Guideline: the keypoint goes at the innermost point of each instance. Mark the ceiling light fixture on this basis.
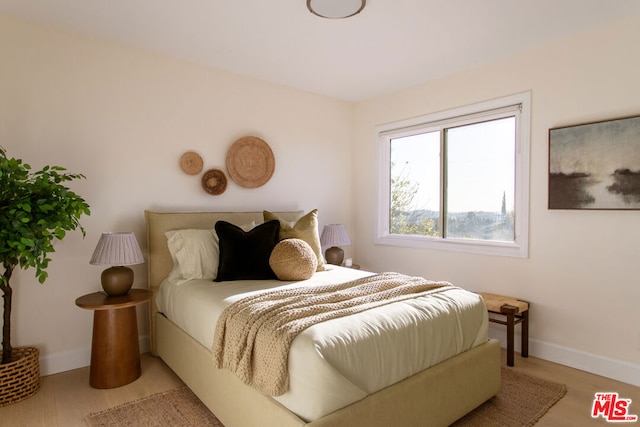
(335, 9)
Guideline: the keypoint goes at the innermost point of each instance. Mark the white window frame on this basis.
(385, 133)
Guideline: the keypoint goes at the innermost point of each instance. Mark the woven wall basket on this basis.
(250, 162)
(20, 379)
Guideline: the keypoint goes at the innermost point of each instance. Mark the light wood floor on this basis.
(64, 399)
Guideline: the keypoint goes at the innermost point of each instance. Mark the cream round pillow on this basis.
(293, 259)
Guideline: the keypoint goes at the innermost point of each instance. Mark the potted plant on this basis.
(35, 208)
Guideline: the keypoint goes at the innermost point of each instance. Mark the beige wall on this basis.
(583, 271)
(123, 118)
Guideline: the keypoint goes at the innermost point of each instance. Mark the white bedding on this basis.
(338, 362)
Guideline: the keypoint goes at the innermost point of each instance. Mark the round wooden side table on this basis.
(115, 353)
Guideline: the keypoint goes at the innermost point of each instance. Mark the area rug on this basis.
(522, 400)
(176, 408)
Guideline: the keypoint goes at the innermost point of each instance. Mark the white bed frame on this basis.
(434, 397)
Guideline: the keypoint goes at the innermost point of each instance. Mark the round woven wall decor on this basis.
(250, 162)
(191, 163)
(214, 182)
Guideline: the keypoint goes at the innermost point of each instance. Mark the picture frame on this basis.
(595, 165)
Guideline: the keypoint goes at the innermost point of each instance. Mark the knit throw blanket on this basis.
(253, 335)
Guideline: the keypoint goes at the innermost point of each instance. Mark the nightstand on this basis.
(354, 266)
(115, 353)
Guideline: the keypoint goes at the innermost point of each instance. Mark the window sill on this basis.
(495, 248)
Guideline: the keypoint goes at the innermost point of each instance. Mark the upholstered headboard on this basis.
(159, 259)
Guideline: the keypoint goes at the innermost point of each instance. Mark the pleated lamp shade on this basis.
(117, 249)
(334, 235)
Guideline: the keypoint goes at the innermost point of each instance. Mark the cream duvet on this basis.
(339, 361)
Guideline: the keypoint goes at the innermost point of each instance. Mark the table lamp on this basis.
(334, 235)
(117, 249)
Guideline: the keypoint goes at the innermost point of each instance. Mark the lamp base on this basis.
(334, 255)
(117, 280)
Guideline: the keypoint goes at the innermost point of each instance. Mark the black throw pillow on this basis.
(245, 255)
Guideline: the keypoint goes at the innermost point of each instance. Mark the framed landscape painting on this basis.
(595, 165)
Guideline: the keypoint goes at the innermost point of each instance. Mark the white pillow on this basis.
(195, 253)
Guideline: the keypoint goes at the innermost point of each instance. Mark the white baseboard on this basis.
(607, 367)
(66, 361)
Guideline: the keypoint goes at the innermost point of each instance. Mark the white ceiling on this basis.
(391, 45)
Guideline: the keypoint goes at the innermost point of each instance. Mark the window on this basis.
(458, 180)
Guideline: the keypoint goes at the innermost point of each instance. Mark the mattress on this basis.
(335, 363)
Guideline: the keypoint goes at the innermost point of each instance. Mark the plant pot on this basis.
(20, 379)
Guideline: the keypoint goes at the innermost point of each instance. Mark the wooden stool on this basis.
(516, 311)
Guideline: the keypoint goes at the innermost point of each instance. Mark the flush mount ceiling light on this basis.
(336, 9)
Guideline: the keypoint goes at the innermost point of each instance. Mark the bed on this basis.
(436, 396)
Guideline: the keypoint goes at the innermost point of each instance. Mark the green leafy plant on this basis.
(403, 192)
(35, 209)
